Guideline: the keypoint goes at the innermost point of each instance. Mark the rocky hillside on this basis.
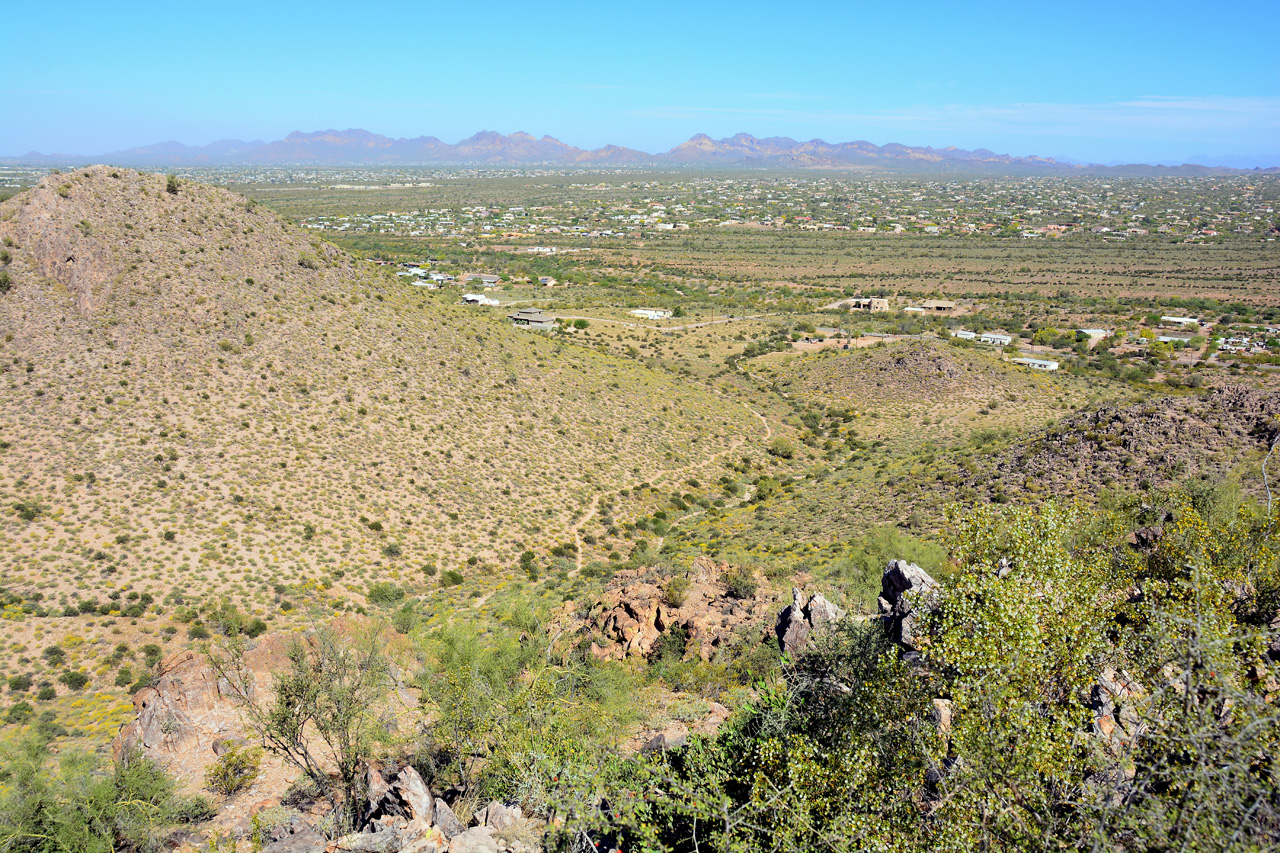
(1156, 443)
(200, 399)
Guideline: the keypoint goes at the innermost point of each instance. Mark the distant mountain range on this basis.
(334, 147)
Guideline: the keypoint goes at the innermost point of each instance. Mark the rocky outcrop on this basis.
(1161, 441)
(636, 610)
(904, 588)
(802, 619)
(185, 720)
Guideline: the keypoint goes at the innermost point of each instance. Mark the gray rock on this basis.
(446, 820)
(500, 816)
(370, 842)
(821, 613)
(904, 587)
(793, 629)
(301, 841)
(797, 622)
(478, 839)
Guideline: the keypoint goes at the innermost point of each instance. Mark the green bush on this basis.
(74, 679)
(783, 448)
(19, 713)
(675, 590)
(384, 593)
(171, 184)
(234, 770)
(404, 619)
(740, 582)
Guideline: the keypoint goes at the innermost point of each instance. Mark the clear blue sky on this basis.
(1105, 81)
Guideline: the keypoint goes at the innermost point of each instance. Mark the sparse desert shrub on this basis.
(6, 282)
(47, 693)
(451, 578)
(234, 770)
(740, 582)
(171, 184)
(19, 683)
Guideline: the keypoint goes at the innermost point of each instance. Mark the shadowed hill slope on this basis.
(196, 395)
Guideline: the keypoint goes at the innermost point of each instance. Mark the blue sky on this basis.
(1100, 82)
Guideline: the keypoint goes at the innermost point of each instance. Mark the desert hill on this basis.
(913, 391)
(199, 398)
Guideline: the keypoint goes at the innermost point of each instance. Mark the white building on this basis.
(1037, 363)
(651, 313)
(995, 339)
(479, 299)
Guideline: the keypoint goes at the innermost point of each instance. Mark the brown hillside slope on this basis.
(196, 396)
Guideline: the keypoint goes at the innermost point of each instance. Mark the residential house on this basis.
(1037, 363)
(532, 318)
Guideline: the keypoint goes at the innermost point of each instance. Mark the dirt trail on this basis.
(664, 474)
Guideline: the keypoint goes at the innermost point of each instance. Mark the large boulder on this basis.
(904, 589)
(801, 619)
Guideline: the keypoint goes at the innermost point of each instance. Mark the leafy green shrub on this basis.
(451, 577)
(152, 654)
(46, 693)
(234, 770)
(171, 184)
(19, 683)
(70, 804)
(198, 632)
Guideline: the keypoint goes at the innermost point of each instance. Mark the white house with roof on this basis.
(995, 339)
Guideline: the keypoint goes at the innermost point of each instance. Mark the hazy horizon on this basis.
(1168, 88)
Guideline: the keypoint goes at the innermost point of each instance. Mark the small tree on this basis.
(171, 184)
(321, 711)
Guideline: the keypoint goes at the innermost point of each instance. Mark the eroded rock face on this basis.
(185, 722)
(632, 615)
(904, 587)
